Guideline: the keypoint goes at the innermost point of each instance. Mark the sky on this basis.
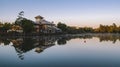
(71, 12)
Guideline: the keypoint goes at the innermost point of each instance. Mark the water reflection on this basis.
(112, 38)
(40, 43)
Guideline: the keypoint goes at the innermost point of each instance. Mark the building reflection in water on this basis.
(25, 44)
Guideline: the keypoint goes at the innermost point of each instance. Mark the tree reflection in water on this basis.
(112, 38)
(40, 43)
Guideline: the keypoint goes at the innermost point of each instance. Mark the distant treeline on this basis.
(4, 27)
(101, 29)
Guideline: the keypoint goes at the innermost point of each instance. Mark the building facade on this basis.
(43, 26)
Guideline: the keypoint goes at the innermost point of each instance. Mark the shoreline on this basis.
(39, 35)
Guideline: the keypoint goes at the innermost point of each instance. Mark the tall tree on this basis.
(26, 24)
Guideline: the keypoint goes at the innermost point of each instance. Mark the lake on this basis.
(82, 50)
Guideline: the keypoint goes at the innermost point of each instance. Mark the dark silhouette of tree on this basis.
(26, 24)
(62, 26)
(21, 14)
(6, 26)
(61, 41)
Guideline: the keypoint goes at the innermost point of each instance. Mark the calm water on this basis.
(61, 51)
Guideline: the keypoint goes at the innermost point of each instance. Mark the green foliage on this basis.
(7, 26)
(86, 30)
(27, 25)
(62, 26)
(74, 30)
(102, 29)
(108, 29)
(4, 27)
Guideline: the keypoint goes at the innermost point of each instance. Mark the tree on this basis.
(21, 14)
(114, 28)
(6, 26)
(27, 26)
(20, 18)
(107, 29)
(62, 26)
(72, 30)
(119, 29)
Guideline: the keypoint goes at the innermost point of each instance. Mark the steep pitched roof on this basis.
(39, 17)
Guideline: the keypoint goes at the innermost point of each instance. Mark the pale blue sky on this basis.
(72, 12)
